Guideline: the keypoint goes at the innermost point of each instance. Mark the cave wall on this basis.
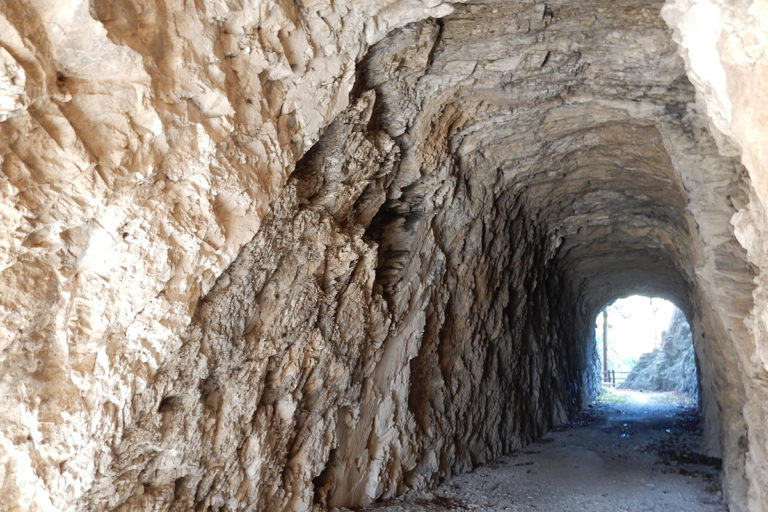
(723, 45)
(208, 323)
(142, 143)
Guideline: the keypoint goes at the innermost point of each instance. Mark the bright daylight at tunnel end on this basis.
(272, 255)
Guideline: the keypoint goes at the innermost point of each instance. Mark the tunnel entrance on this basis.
(645, 344)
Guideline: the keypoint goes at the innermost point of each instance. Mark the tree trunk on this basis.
(605, 343)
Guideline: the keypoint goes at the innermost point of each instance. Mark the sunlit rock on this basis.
(669, 367)
(284, 255)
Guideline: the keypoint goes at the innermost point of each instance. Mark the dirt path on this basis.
(634, 452)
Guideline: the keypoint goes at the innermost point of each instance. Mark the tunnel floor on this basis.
(629, 451)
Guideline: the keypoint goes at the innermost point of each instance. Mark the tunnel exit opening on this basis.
(644, 343)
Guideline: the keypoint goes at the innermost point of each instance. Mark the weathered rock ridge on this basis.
(724, 47)
(670, 367)
(253, 262)
(142, 143)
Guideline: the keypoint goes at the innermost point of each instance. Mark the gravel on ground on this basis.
(630, 451)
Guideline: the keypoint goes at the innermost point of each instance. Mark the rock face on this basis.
(142, 144)
(253, 262)
(671, 367)
(724, 48)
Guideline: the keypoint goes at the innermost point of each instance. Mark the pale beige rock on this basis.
(725, 48)
(12, 84)
(142, 143)
(191, 319)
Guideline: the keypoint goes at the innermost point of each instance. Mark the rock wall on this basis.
(724, 46)
(192, 319)
(142, 143)
(670, 367)
(326, 342)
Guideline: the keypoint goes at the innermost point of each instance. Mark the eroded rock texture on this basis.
(142, 143)
(724, 48)
(194, 321)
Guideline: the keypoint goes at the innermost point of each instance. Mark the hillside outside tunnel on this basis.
(645, 344)
(418, 296)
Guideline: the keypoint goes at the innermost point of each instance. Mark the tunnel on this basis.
(410, 295)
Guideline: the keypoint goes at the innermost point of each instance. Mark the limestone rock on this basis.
(142, 143)
(291, 255)
(724, 45)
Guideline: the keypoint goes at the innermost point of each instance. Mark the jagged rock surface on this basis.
(210, 325)
(672, 366)
(142, 143)
(725, 48)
